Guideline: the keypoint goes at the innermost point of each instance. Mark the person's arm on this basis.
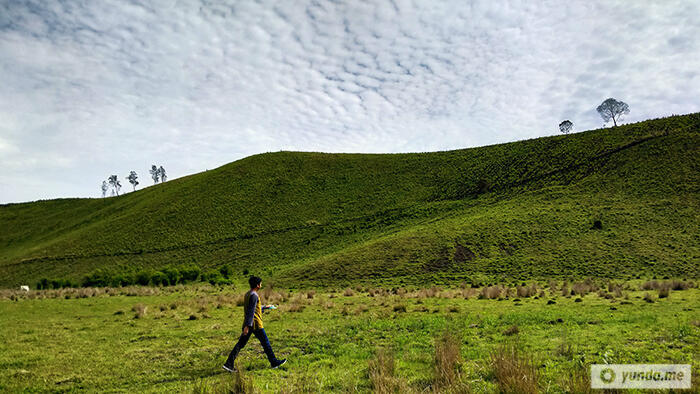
(250, 311)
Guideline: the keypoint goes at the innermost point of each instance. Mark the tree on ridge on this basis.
(612, 109)
(116, 185)
(566, 126)
(132, 178)
(155, 173)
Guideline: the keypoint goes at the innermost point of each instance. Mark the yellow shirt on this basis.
(256, 310)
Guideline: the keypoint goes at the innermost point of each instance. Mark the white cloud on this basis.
(96, 88)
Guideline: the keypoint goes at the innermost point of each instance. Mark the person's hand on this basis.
(245, 330)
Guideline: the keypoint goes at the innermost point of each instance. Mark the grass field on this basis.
(350, 340)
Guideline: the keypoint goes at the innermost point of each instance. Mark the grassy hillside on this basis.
(519, 210)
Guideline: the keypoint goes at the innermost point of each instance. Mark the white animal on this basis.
(24, 288)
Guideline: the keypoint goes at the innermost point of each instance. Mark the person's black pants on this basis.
(243, 340)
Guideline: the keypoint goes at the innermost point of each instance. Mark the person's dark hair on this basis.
(254, 281)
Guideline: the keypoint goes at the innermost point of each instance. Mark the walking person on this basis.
(252, 324)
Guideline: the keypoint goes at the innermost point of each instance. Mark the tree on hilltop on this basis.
(612, 109)
(104, 188)
(161, 171)
(155, 173)
(132, 178)
(566, 126)
(116, 185)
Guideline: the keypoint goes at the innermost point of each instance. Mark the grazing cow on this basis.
(24, 288)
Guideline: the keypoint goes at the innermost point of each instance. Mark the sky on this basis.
(94, 88)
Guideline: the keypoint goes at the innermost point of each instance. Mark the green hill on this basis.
(519, 210)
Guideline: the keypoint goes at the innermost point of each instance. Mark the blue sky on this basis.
(93, 88)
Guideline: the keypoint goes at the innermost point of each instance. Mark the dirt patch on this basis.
(463, 254)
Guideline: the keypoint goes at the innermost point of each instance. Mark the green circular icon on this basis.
(607, 375)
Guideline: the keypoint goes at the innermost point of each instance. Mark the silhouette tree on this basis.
(116, 185)
(104, 188)
(612, 109)
(132, 178)
(155, 173)
(161, 171)
(566, 126)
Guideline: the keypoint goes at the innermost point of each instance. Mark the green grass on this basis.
(517, 210)
(97, 344)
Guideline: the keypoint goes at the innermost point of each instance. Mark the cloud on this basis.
(95, 88)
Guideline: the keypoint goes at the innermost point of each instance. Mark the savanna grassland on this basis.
(540, 337)
(616, 203)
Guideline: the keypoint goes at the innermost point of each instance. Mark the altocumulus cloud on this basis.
(91, 88)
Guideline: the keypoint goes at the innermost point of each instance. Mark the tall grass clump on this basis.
(381, 370)
(579, 382)
(527, 291)
(235, 383)
(514, 371)
(447, 359)
(140, 310)
(490, 292)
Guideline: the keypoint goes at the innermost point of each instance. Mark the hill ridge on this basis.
(313, 205)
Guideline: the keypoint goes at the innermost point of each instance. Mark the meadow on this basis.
(353, 247)
(509, 337)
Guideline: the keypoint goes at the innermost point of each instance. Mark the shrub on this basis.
(648, 298)
(664, 291)
(226, 271)
(159, 279)
(213, 277)
(124, 279)
(143, 278)
(514, 372)
(98, 278)
(349, 292)
(173, 274)
(190, 273)
(399, 308)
